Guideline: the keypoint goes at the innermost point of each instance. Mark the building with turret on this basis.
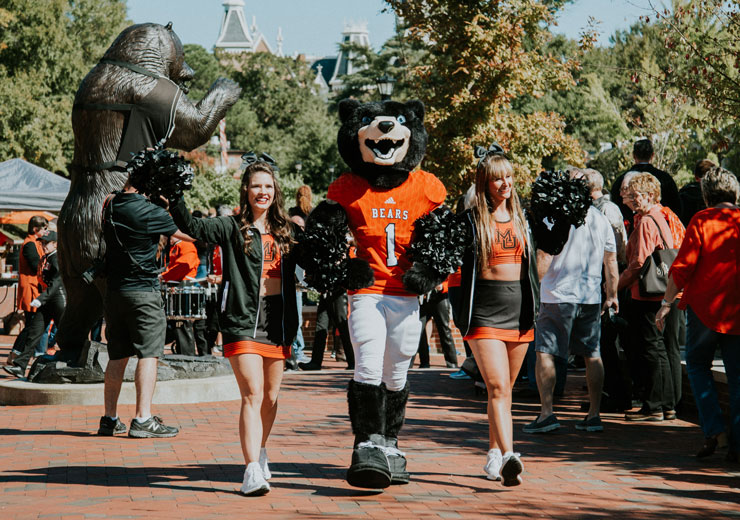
(330, 69)
(236, 37)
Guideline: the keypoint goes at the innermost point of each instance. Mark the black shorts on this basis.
(135, 324)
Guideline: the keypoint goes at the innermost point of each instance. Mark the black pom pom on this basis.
(439, 242)
(160, 172)
(557, 202)
(323, 250)
(559, 198)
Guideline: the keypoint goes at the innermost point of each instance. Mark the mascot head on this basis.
(382, 142)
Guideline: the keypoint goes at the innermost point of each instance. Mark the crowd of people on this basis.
(510, 300)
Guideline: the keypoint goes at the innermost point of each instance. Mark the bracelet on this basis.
(665, 303)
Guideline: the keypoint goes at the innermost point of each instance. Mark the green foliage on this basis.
(396, 58)
(612, 163)
(206, 67)
(46, 48)
(480, 57)
(279, 113)
(211, 189)
(702, 42)
(620, 95)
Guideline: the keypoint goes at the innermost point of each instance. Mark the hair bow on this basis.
(495, 149)
(250, 158)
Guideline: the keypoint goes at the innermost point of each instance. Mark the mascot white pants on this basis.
(385, 336)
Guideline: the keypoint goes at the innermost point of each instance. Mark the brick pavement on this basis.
(52, 467)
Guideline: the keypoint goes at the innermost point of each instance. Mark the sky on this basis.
(314, 27)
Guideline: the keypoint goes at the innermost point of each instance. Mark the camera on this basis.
(96, 270)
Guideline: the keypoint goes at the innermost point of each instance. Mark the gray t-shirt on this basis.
(614, 216)
(574, 275)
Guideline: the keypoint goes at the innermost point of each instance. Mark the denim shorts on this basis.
(569, 327)
(135, 324)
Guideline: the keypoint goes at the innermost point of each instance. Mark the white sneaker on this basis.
(254, 482)
(493, 464)
(511, 468)
(264, 464)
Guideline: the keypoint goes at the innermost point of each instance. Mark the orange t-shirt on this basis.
(382, 223)
(678, 231)
(28, 283)
(507, 248)
(271, 257)
(455, 279)
(183, 262)
(218, 267)
(708, 270)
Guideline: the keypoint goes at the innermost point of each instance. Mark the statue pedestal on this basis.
(180, 379)
(180, 391)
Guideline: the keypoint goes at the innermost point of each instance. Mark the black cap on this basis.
(51, 236)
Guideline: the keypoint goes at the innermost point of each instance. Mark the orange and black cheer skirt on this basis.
(502, 310)
(268, 333)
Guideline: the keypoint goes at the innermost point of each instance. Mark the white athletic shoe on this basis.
(493, 464)
(511, 469)
(254, 482)
(264, 464)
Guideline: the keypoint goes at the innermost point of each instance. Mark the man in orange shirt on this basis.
(28, 284)
(183, 265)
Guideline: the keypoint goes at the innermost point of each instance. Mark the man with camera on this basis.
(136, 323)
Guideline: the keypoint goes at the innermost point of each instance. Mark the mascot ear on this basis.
(417, 107)
(347, 107)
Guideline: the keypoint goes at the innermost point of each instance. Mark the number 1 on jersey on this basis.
(390, 245)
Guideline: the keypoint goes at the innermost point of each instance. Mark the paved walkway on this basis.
(51, 466)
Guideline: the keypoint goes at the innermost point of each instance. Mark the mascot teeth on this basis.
(384, 148)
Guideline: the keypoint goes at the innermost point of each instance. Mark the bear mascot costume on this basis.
(133, 99)
(405, 247)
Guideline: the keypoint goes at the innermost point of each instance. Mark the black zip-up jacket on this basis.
(470, 271)
(241, 273)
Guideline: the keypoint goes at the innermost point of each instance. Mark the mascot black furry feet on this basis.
(395, 413)
(370, 467)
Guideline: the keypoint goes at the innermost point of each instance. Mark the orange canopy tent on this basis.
(22, 217)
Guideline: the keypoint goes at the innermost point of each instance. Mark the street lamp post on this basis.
(385, 86)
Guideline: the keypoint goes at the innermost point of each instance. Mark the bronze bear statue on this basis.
(132, 99)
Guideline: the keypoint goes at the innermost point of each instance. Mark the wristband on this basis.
(665, 303)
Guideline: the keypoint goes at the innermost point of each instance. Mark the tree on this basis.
(210, 189)
(635, 74)
(702, 42)
(481, 56)
(46, 48)
(396, 58)
(279, 113)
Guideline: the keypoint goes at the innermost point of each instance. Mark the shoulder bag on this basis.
(654, 273)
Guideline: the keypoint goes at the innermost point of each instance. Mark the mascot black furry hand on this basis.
(394, 213)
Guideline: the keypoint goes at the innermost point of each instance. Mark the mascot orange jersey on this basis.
(382, 223)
